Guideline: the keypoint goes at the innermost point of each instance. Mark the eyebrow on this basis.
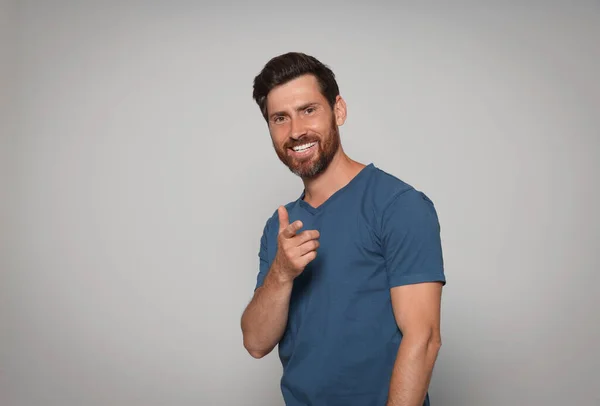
(299, 108)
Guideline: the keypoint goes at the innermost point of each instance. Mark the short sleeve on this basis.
(263, 257)
(410, 240)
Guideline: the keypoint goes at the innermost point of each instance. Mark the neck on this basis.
(338, 174)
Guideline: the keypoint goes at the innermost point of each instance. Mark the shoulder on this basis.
(393, 196)
(384, 188)
(385, 185)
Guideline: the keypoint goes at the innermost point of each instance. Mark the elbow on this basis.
(254, 351)
(257, 354)
(433, 338)
(425, 343)
(434, 343)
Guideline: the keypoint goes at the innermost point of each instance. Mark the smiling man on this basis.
(351, 272)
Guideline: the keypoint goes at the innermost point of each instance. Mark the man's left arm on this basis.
(411, 242)
(417, 311)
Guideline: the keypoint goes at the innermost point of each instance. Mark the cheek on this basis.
(279, 142)
(317, 125)
(278, 136)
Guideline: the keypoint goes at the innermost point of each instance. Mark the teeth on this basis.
(303, 146)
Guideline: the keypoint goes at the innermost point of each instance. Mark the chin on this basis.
(308, 170)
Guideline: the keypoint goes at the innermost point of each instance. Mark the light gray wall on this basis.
(144, 173)
(7, 110)
(7, 178)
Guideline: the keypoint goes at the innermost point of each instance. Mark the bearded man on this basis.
(351, 272)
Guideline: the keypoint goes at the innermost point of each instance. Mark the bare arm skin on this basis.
(264, 319)
(417, 311)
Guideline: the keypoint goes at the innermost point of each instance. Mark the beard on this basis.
(310, 168)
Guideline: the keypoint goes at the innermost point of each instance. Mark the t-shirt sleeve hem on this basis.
(259, 283)
(402, 280)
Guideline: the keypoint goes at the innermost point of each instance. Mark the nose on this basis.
(298, 129)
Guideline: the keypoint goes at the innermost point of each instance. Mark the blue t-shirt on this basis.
(341, 339)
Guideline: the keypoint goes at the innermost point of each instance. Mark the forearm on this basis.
(265, 317)
(412, 371)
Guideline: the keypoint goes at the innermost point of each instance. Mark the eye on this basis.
(278, 119)
(309, 110)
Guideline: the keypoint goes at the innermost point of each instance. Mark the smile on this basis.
(304, 150)
(304, 147)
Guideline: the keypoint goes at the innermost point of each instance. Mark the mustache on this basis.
(301, 141)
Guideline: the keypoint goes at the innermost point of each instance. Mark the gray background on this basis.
(137, 175)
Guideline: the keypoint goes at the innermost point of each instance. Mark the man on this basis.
(351, 272)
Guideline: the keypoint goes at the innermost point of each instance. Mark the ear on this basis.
(339, 109)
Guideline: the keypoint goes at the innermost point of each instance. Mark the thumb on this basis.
(284, 219)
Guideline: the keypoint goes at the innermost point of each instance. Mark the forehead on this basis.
(302, 90)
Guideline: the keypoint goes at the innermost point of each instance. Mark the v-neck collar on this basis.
(315, 210)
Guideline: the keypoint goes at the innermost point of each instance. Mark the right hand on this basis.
(294, 250)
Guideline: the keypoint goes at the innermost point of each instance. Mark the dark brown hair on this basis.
(283, 68)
